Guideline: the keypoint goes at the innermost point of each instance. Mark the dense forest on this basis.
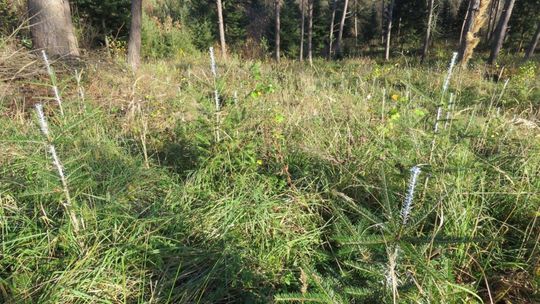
(269, 151)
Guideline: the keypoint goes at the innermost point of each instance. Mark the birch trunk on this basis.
(278, 29)
(341, 27)
(355, 9)
(302, 30)
(331, 34)
(390, 14)
(310, 31)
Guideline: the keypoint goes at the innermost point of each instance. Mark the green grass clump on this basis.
(298, 201)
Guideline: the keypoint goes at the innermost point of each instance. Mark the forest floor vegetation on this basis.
(292, 192)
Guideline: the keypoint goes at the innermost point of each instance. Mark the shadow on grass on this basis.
(214, 273)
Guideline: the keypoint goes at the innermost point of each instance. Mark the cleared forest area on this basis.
(184, 172)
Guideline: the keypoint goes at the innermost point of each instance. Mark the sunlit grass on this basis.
(299, 200)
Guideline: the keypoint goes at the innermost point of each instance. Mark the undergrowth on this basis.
(300, 199)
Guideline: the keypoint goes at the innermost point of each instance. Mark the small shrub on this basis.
(167, 39)
(8, 17)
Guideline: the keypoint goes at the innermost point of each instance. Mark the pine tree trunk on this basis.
(398, 36)
(491, 22)
(500, 32)
(465, 21)
(310, 31)
(221, 29)
(390, 16)
(331, 35)
(134, 44)
(491, 8)
(341, 27)
(383, 17)
(428, 30)
(475, 21)
(495, 16)
(534, 43)
(467, 27)
(51, 27)
(302, 30)
(278, 29)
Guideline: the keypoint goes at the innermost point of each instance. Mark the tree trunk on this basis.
(495, 16)
(475, 20)
(302, 30)
(534, 43)
(341, 27)
(428, 30)
(467, 26)
(383, 17)
(278, 29)
(106, 38)
(491, 21)
(310, 31)
(355, 14)
(134, 45)
(390, 14)
(51, 27)
(221, 29)
(490, 18)
(500, 32)
(398, 36)
(331, 35)
(465, 20)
